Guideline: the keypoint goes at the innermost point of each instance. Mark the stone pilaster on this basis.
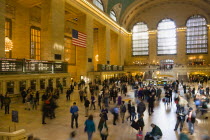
(89, 49)
(2, 26)
(108, 44)
(52, 34)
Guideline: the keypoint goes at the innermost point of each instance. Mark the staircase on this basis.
(183, 77)
(147, 75)
(16, 135)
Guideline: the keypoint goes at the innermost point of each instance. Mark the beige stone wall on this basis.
(2, 33)
(50, 16)
(179, 12)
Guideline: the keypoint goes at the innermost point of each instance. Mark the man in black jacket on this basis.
(151, 103)
(87, 103)
(23, 94)
(141, 107)
(7, 102)
(129, 110)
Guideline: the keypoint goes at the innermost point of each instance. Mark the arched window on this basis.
(166, 37)
(113, 15)
(99, 4)
(197, 35)
(140, 39)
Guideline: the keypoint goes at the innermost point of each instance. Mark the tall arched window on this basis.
(166, 37)
(113, 15)
(140, 39)
(99, 4)
(197, 35)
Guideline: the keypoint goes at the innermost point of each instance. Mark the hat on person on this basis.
(190, 108)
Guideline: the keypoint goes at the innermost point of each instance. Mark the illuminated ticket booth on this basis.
(33, 84)
(42, 84)
(22, 85)
(10, 87)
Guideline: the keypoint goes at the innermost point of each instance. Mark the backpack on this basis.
(123, 108)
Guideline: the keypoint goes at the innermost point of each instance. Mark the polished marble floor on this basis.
(59, 128)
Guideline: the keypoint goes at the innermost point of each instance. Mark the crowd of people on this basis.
(109, 98)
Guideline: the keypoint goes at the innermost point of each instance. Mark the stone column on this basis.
(28, 83)
(37, 84)
(89, 49)
(46, 83)
(2, 26)
(102, 45)
(54, 83)
(181, 48)
(108, 44)
(4, 88)
(16, 87)
(52, 34)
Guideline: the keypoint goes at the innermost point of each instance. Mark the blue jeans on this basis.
(133, 116)
(90, 135)
(191, 127)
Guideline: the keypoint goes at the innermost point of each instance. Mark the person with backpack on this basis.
(141, 107)
(74, 111)
(156, 133)
(191, 120)
(122, 111)
(103, 129)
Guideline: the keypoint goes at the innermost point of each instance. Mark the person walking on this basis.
(141, 107)
(151, 104)
(74, 111)
(129, 110)
(81, 95)
(104, 112)
(89, 127)
(93, 100)
(122, 111)
(1, 100)
(191, 120)
(115, 114)
(133, 112)
(7, 102)
(181, 113)
(68, 92)
(103, 129)
(140, 122)
(23, 94)
(87, 103)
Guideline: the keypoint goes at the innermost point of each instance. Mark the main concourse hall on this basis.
(104, 69)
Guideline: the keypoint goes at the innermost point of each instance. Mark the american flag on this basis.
(78, 38)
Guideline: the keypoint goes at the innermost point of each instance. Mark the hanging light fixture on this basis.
(8, 44)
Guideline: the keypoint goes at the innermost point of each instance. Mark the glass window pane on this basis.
(99, 4)
(166, 37)
(196, 35)
(140, 40)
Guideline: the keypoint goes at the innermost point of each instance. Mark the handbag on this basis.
(104, 130)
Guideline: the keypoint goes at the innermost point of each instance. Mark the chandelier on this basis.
(8, 44)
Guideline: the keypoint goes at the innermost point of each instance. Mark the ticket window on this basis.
(10, 87)
(64, 82)
(58, 82)
(42, 84)
(50, 83)
(33, 84)
(22, 85)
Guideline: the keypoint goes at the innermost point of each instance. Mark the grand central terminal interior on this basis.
(104, 69)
